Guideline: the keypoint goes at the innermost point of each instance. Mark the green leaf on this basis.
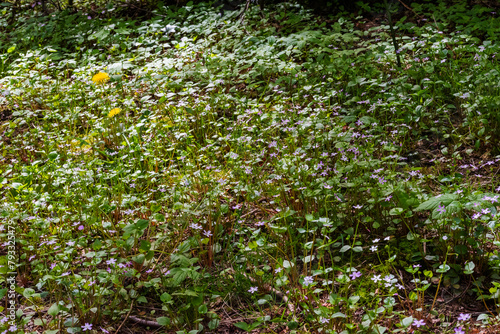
(469, 268)
(163, 321)
(28, 292)
(443, 268)
(145, 245)
(407, 322)
(155, 207)
(345, 248)
(242, 325)
(53, 155)
(461, 249)
(179, 275)
(434, 202)
(159, 217)
(139, 258)
(53, 309)
(396, 211)
(309, 258)
(165, 297)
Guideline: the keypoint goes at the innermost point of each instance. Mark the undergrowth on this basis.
(199, 173)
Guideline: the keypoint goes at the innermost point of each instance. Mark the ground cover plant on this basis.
(273, 171)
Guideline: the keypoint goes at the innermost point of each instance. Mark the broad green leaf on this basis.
(434, 202)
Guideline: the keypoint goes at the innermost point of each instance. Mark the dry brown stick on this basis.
(249, 213)
(407, 6)
(144, 322)
(125, 319)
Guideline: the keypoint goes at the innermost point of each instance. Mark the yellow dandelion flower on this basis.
(100, 78)
(114, 112)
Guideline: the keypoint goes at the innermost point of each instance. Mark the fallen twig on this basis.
(126, 317)
(144, 322)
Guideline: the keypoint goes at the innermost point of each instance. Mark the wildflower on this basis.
(441, 209)
(308, 280)
(464, 317)
(168, 29)
(100, 78)
(195, 226)
(376, 240)
(208, 233)
(376, 278)
(253, 289)
(13, 328)
(355, 275)
(373, 248)
(459, 330)
(418, 323)
(87, 327)
(357, 206)
(324, 320)
(114, 112)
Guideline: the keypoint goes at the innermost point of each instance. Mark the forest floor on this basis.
(274, 171)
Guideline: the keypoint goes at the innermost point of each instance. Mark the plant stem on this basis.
(393, 33)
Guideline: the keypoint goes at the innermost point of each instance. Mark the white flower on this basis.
(169, 29)
(253, 289)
